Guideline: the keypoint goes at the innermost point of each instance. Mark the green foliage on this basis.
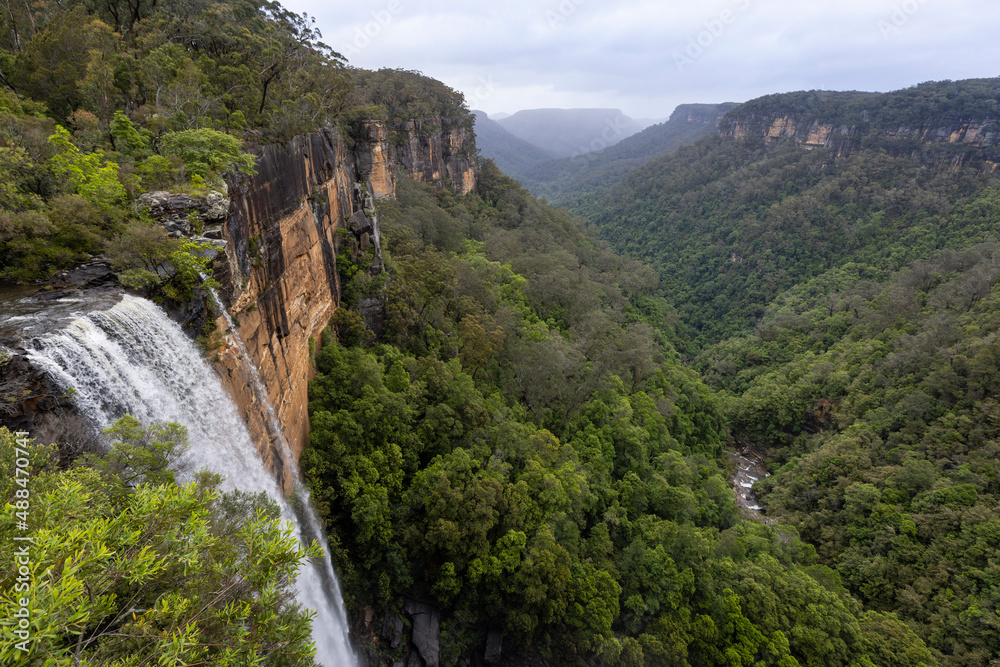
(146, 258)
(127, 138)
(877, 402)
(523, 447)
(137, 454)
(841, 309)
(207, 153)
(400, 96)
(162, 572)
(730, 224)
(176, 65)
(15, 164)
(91, 177)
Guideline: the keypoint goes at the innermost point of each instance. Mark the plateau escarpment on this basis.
(433, 151)
(947, 122)
(285, 227)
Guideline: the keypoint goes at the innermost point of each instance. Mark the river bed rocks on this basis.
(182, 214)
(749, 469)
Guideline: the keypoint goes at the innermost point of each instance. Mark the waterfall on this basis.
(132, 359)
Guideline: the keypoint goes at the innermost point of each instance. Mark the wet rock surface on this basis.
(749, 469)
(94, 273)
(426, 630)
(494, 647)
(180, 214)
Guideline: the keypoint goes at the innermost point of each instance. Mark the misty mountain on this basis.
(515, 157)
(567, 132)
(558, 180)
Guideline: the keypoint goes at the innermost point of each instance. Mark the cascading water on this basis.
(306, 514)
(132, 359)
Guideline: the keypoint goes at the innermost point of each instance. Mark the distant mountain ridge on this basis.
(567, 132)
(512, 155)
(559, 180)
(963, 114)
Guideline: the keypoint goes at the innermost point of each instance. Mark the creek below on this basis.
(749, 469)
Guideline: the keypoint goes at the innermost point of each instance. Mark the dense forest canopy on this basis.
(523, 448)
(732, 224)
(177, 65)
(537, 441)
(839, 303)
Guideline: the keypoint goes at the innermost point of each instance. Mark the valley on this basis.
(304, 363)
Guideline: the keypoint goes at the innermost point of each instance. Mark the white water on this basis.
(132, 359)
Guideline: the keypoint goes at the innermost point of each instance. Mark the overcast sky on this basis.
(646, 57)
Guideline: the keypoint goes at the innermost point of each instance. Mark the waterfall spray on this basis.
(132, 359)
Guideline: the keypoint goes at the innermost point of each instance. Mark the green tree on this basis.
(162, 572)
(88, 174)
(207, 153)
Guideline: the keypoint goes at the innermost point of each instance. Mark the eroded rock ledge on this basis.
(279, 272)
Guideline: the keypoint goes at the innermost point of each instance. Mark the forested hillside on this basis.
(102, 102)
(568, 178)
(839, 302)
(523, 450)
(730, 224)
(876, 401)
(533, 438)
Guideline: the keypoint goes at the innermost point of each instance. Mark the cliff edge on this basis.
(279, 278)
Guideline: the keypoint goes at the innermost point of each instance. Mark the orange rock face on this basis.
(280, 281)
(445, 156)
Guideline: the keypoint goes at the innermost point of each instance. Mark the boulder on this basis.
(359, 224)
(392, 628)
(494, 643)
(426, 630)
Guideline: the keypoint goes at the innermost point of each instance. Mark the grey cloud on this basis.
(571, 53)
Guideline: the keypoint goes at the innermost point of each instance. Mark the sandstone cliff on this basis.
(948, 122)
(279, 277)
(438, 154)
(811, 132)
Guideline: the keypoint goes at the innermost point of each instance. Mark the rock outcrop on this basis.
(426, 633)
(946, 123)
(445, 156)
(494, 647)
(279, 276)
(183, 214)
(812, 132)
